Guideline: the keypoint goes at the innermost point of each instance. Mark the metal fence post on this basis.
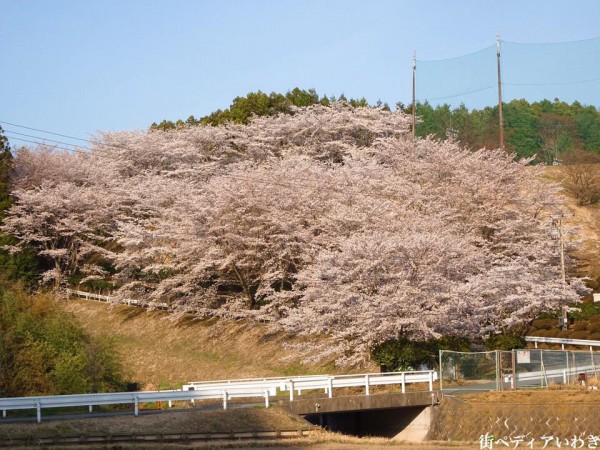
(498, 372)
(514, 370)
(136, 409)
(224, 399)
(38, 407)
(441, 370)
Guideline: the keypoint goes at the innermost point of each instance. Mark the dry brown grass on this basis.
(560, 395)
(587, 218)
(160, 352)
(220, 421)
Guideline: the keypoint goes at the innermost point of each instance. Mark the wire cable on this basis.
(44, 131)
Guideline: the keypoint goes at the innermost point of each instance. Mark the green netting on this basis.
(569, 71)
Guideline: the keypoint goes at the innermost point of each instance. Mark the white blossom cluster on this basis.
(329, 221)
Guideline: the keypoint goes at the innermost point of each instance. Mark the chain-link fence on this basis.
(502, 370)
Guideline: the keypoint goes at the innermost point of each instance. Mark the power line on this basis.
(58, 134)
(44, 131)
(44, 139)
(42, 143)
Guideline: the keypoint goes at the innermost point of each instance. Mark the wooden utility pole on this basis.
(500, 119)
(414, 92)
(557, 221)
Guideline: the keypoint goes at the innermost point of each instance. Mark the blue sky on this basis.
(77, 67)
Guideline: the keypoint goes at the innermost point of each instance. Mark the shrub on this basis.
(540, 333)
(43, 351)
(594, 336)
(553, 333)
(594, 324)
(404, 354)
(580, 325)
(506, 341)
(579, 335)
(543, 324)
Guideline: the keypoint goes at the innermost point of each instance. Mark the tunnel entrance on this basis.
(374, 422)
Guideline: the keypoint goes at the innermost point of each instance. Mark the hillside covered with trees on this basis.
(548, 130)
(330, 220)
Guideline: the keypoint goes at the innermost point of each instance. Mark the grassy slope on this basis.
(234, 420)
(160, 352)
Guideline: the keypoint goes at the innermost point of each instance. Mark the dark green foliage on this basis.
(259, 104)
(586, 310)
(505, 341)
(43, 351)
(23, 266)
(404, 354)
(6, 159)
(545, 129)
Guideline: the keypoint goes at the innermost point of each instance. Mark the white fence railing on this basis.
(562, 342)
(108, 299)
(223, 389)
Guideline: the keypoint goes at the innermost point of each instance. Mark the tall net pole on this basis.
(500, 119)
(414, 93)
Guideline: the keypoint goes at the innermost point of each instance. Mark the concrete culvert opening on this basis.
(407, 423)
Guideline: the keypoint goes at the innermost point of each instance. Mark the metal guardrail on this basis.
(328, 382)
(119, 398)
(564, 375)
(224, 389)
(562, 342)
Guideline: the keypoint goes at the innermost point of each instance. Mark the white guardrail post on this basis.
(367, 391)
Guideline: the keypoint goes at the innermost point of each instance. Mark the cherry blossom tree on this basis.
(329, 221)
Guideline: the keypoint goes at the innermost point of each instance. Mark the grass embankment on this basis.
(160, 352)
(233, 420)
